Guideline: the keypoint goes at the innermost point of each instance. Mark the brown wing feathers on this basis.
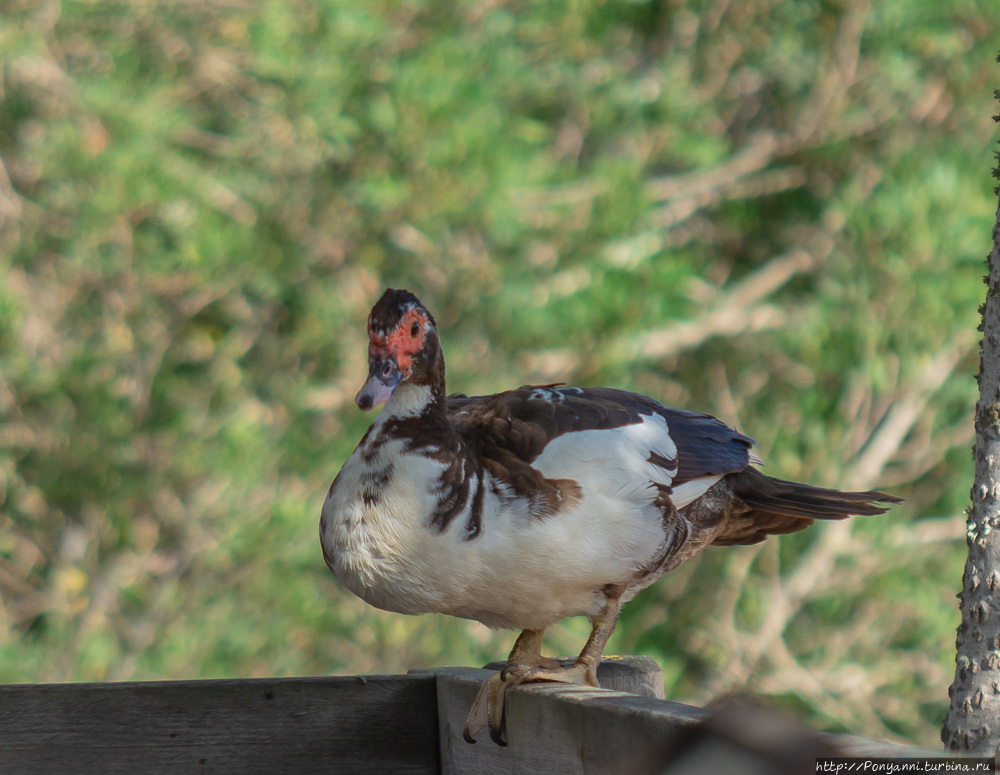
(509, 430)
(792, 499)
(777, 507)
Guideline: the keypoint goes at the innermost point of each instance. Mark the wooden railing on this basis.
(375, 724)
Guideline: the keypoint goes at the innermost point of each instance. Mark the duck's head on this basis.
(403, 347)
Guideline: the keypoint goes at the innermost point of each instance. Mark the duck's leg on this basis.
(488, 708)
(584, 669)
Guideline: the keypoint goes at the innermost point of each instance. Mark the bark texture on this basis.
(973, 720)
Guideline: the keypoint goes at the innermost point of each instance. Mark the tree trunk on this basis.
(973, 720)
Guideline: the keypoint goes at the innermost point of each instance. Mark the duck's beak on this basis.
(383, 377)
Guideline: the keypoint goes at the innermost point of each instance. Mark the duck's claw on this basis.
(488, 710)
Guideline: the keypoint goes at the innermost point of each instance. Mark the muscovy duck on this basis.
(522, 508)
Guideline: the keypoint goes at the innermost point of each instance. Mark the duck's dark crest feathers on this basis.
(390, 308)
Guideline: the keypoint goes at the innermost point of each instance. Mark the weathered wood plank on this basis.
(377, 724)
(374, 724)
(556, 728)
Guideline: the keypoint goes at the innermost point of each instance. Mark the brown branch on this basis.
(902, 414)
(756, 156)
(738, 310)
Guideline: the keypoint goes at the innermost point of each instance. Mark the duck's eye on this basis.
(414, 329)
(387, 370)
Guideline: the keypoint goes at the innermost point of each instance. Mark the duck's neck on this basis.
(423, 397)
(414, 401)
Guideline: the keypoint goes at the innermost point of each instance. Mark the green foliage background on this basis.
(773, 211)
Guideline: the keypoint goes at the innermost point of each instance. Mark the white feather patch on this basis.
(545, 394)
(407, 401)
(689, 492)
(615, 461)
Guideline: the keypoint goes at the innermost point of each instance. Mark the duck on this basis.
(528, 506)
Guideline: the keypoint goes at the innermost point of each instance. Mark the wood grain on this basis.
(557, 728)
(374, 724)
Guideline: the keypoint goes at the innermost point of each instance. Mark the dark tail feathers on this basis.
(778, 507)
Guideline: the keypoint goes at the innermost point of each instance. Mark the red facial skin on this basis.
(399, 343)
